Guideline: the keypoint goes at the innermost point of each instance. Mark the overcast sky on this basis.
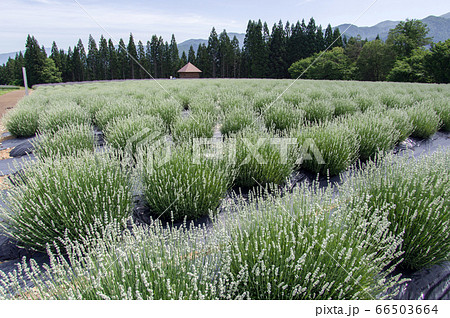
(64, 21)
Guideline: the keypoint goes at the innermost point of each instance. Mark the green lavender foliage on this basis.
(184, 99)
(22, 121)
(302, 245)
(119, 109)
(233, 99)
(61, 114)
(262, 157)
(169, 110)
(67, 141)
(198, 125)
(237, 118)
(318, 94)
(282, 116)
(442, 108)
(133, 130)
(294, 97)
(318, 110)
(242, 257)
(419, 191)
(345, 106)
(148, 263)
(327, 148)
(425, 120)
(262, 101)
(182, 181)
(375, 131)
(305, 246)
(205, 105)
(392, 100)
(95, 103)
(402, 123)
(366, 102)
(64, 197)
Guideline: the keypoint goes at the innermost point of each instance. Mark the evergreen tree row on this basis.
(265, 54)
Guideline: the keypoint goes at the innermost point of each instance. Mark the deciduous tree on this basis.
(375, 61)
(407, 36)
(438, 62)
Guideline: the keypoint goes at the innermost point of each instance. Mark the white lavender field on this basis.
(227, 189)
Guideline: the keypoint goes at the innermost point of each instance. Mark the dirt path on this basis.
(9, 100)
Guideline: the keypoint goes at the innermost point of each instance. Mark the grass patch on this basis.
(4, 91)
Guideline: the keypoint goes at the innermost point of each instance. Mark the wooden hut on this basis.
(189, 71)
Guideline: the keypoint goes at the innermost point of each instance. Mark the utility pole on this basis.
(25, 82)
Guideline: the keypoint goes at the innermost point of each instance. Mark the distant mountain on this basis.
(447, 15)
(5, 56)
(439, 28)
(184, 46)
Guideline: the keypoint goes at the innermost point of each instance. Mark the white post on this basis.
(25, 82)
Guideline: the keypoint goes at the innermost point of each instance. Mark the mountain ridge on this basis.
(439, 28)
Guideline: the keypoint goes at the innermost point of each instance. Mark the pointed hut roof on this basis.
(189, 68)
